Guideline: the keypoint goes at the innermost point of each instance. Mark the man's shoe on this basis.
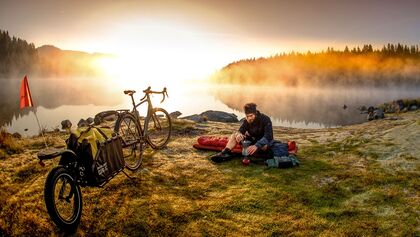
(222, 156)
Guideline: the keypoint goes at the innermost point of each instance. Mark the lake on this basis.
(75, 98)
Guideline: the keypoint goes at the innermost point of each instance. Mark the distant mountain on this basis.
(48, 50)
(52, 60)
(51, 51)
(18, 57)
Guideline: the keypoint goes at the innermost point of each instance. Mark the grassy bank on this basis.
(355, 180)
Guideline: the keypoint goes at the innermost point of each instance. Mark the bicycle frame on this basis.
(136, 113)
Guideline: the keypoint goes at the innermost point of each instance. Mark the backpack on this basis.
(282, 162)
(99, 151)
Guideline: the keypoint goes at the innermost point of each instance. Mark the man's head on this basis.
(250, 112)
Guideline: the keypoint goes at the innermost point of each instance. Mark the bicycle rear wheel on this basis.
(129, 130)
(63, 199)
(159, 128)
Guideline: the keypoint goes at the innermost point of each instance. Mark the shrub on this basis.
(8, 144)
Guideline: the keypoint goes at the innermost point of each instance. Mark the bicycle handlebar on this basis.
(164, 92)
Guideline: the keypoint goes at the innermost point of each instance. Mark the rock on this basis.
(219, 116)
(405, 109)
(376, 114)
(109, 115)
(413, 107)
(390, 109)
(17, 135)
(344, 106)
(400, 104)
(196, 118)
(82, 123)
(175, 114)
(65, 124)
(89, 120)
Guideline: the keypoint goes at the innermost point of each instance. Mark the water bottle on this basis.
(245, 145)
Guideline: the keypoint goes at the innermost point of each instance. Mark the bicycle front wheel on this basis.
(63, 199)
(129, 130)
(159, 128)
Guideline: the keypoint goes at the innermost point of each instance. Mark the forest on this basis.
(18, 57)
(364, 66)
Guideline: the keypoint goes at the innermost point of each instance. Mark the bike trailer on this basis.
(99, 150)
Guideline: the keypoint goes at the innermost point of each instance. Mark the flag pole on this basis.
(26, 101)
(40, 129)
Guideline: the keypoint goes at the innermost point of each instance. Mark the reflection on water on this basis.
(51, 94)
(59, 99)
(311, 107)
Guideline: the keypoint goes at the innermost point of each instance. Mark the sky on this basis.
(203, 36)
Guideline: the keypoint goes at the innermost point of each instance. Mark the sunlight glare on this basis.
(160, 54)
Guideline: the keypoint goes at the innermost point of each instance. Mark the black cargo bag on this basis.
(99, 151)
(109, 160)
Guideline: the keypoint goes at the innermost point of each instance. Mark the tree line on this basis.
(392, 50)
(16, 55)
(390, 65)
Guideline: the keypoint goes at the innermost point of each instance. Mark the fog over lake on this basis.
(57, 99)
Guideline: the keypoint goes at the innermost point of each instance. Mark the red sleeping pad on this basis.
(213, 143)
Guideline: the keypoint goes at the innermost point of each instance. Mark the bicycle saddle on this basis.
(129, 92)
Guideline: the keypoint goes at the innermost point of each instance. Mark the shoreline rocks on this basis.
(175, 114)
(213, 115)
(396, 106)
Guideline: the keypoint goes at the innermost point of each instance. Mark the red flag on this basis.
(25, 94)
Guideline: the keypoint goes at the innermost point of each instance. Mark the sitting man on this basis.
(256, 128)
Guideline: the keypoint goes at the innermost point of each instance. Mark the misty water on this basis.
(75, 98)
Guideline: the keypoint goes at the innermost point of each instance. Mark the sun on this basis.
(160, 54)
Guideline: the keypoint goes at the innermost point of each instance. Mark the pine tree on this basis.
(16, 55)
(346, 50)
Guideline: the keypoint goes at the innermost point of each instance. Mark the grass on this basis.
(8, 145)
(340, 189)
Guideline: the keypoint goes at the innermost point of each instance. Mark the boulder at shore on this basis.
(196, 118)
(220, 116)
(175, 114)
(212, 115)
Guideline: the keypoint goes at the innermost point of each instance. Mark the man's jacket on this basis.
(259, 131)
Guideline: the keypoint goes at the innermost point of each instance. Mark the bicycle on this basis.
(121, 147)
(155, 132)
(82, 164)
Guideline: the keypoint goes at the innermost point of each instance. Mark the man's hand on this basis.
(252, 149)
(239, 137)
